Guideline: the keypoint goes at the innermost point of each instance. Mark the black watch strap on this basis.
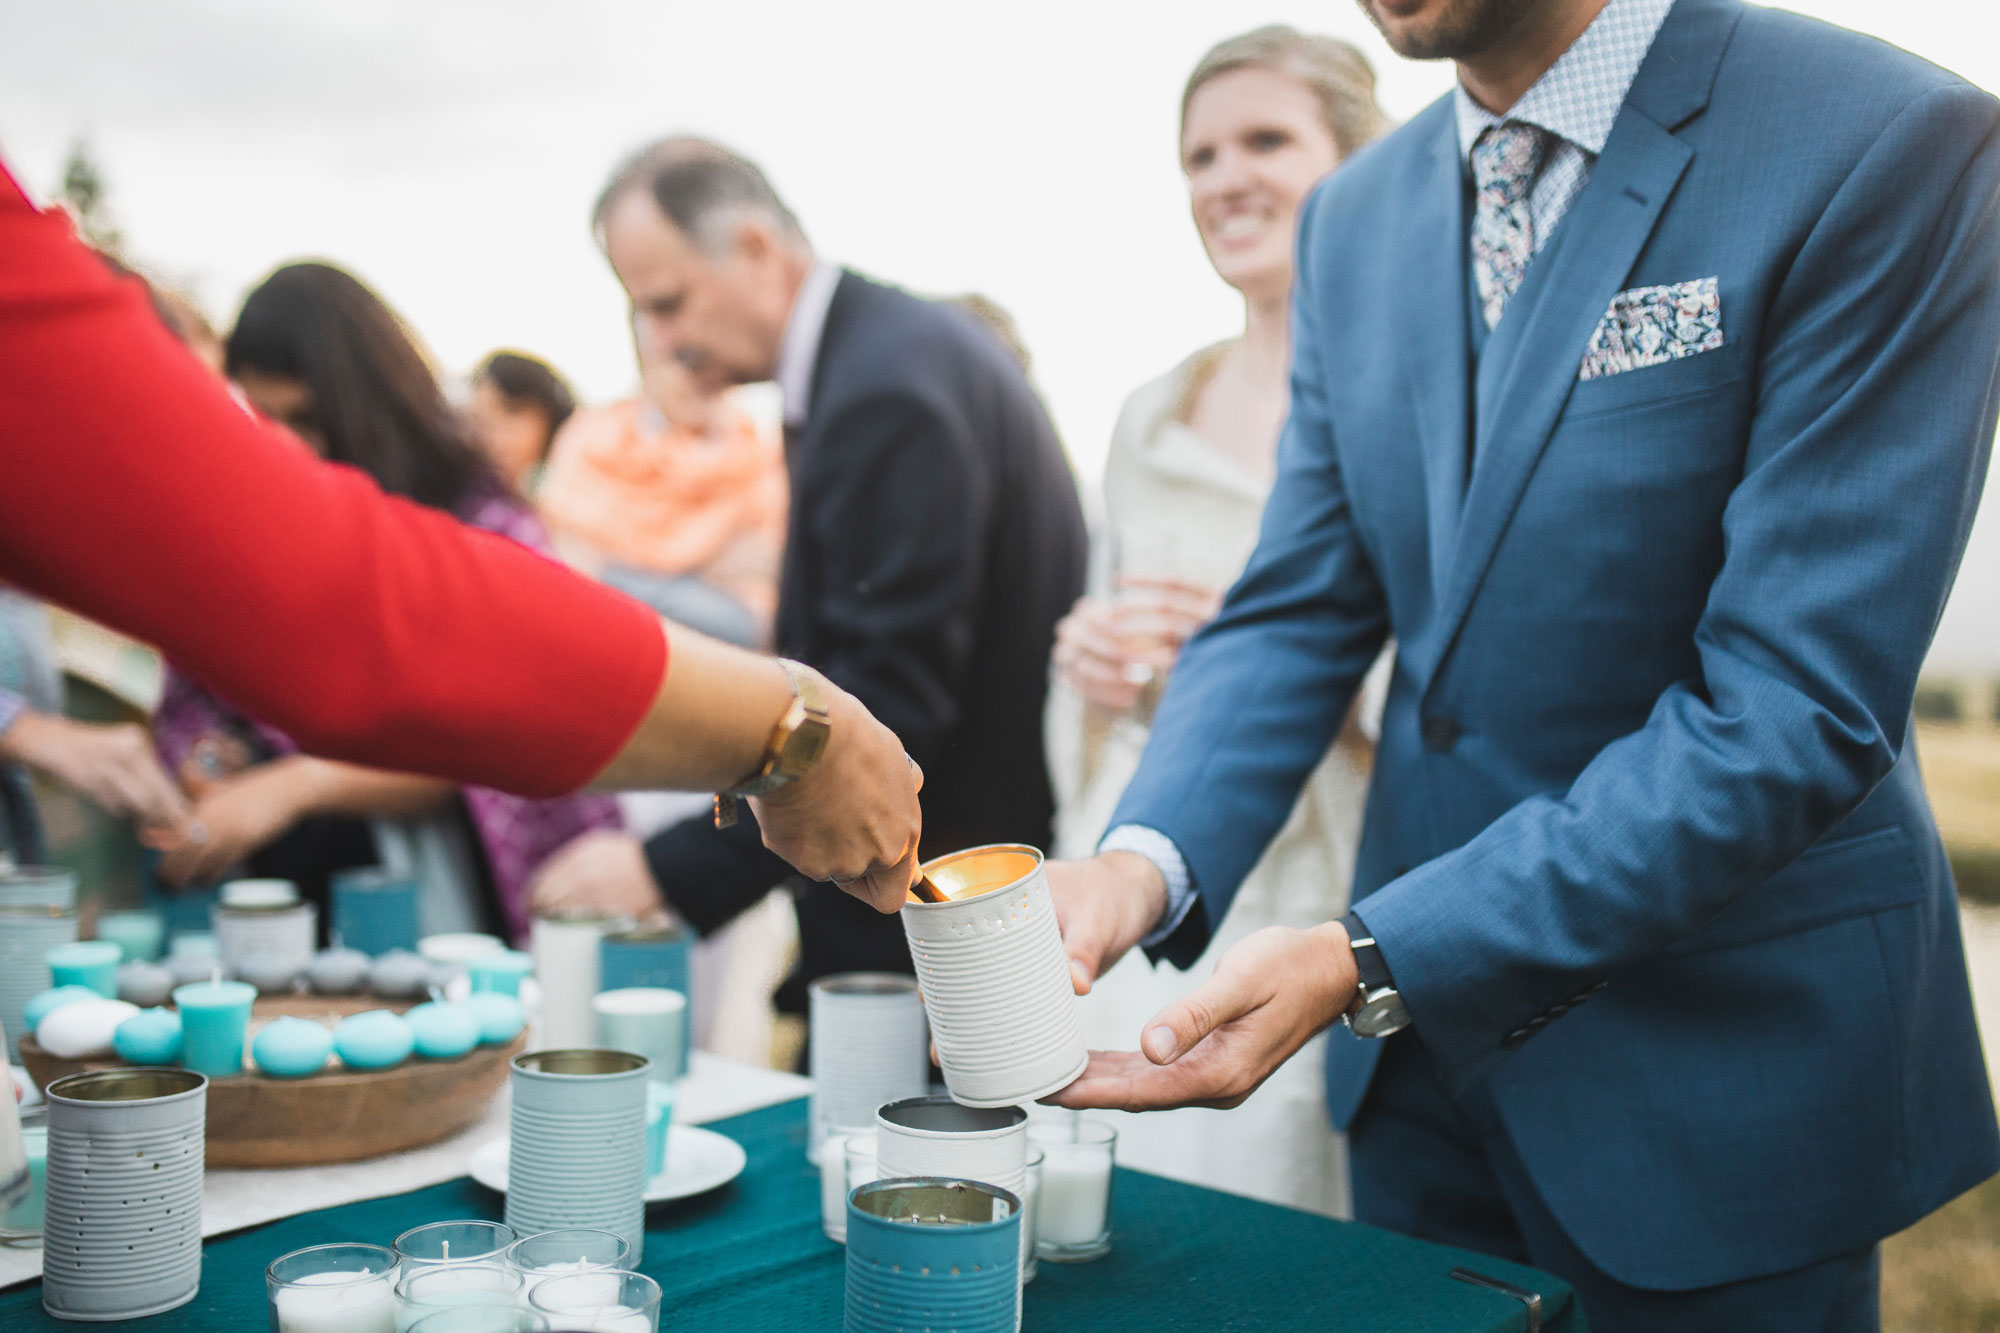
(1367, 958)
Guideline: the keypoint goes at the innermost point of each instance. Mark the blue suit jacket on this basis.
(1649, 722)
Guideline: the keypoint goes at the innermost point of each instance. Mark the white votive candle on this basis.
(437, 1287)
(353, 1302)
(617, 1302)
(833, 1182)
(1076, 1194)
(1073, 1206)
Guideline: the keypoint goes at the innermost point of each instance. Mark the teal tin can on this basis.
(644, 958)
(929, 1252)
(374, 911)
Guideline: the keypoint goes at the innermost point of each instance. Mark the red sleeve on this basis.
(135, 490)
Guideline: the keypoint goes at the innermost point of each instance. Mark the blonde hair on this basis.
(1336, 72)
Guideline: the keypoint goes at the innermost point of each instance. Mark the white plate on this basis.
(698, 1160)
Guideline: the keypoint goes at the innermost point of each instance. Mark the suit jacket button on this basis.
(1441, 733)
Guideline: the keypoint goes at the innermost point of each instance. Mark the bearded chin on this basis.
(1460, 30)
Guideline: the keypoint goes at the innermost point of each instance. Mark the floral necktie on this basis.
(1505, 160)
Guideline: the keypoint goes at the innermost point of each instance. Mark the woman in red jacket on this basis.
(369, 628)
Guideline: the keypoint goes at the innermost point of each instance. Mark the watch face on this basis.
(1382, 1014)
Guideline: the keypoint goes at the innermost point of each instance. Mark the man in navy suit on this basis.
(1643, 391)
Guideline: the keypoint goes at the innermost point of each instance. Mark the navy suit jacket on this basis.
(1649, 725)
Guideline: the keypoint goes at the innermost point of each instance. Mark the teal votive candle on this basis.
(140, 934)
(92, 963)
(500, 971)
(214, 1017)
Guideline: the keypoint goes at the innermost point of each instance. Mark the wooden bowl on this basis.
(342, 1115)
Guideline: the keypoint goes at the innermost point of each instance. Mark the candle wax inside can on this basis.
(970, 876)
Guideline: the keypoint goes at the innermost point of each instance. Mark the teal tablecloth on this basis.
(750, 1257)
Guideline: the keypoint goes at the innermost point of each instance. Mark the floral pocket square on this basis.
(1648, 325)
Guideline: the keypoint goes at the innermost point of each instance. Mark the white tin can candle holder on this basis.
(255, 917)
(870, 1045)
(996, 981)
(567, 968)
(123, 1209)
(936, 1136)
(26, 936)
(576, 1152)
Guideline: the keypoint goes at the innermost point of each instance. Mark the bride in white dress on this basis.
(1264, 117)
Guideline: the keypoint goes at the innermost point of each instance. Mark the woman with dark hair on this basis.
(518, 404)
(456, 654)
(316, 350)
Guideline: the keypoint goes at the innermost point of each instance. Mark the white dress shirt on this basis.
(798, 352)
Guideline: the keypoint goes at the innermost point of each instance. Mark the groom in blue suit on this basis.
(1643, 390)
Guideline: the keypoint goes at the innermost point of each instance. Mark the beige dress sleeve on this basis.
(1176, 505)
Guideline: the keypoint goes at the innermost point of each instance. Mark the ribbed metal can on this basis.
(576, 1150)
(870, 1045)
(288, 930)
(27, 933)
(933, 1253)
(37, 886)
(996, 980)
(122, 1227)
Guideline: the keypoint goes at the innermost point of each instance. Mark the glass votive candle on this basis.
(481, 1319)
(333, 1289)
(92, 963)
(603, 1302)
(214, 1017)
(1031, 1193)
(463, 1241)
(1073, 1210)
(574, 1250)
(833, 1176)
(429, 1288)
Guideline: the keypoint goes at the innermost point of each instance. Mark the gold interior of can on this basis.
(125, 1085)
(579, 1062)
(936, 1202)
(981, 870)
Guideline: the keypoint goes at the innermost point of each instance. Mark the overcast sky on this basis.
(447, 151)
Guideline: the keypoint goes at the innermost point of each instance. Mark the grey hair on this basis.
(1335, 71)
(701, 187)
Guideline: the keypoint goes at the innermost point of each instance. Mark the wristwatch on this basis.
(1377, 1009)
(795, 746)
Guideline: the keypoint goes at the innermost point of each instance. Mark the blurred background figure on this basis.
(111, 765)
(676, 497)
(934, 535)
(1263, 118)
(518, 403)
(317, 351)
